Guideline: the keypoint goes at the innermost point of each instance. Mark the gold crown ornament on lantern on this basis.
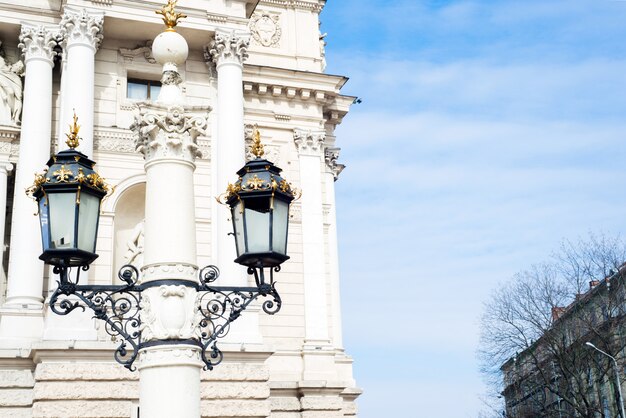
(72, 138)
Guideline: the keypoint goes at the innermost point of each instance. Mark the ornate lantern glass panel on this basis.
(68, 195)
(259, 203)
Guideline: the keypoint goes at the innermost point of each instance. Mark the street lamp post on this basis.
(170, 316)
(617, 379)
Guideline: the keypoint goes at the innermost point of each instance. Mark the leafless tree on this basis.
(534, 328)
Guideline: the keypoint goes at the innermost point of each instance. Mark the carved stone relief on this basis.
(144, 49)
(265, 29)
(11, 90)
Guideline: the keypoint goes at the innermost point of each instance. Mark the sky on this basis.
(489, 132)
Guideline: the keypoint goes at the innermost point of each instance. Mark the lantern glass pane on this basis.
(44, 217)
(88, 211)
(237, 215)
(257, 230)
(279, 226)
(62, 210)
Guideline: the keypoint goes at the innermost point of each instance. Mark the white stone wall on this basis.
(284, 90)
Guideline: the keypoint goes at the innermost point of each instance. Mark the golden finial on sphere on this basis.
(257, 147)
(170, 16)
(72, 138)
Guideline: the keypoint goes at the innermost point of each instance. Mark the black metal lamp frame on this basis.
(119, 306)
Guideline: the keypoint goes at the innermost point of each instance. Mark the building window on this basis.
(142, 89)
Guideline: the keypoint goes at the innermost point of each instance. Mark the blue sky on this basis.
(489, 132)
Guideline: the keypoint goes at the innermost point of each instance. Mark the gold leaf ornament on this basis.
(169, 15)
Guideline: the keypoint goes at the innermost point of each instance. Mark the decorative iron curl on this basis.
(116, 305)
(209, 274)
(219, 306)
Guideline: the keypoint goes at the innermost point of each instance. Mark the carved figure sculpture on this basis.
(134, 254)
(10, 91)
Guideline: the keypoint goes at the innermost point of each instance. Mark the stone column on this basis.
(333, 169)
(310, 149)
(228, 50)
(22, 315)
(169, 370)
(5, 168)
(82, 34)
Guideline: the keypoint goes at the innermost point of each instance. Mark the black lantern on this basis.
(68, 195)
(259, 203)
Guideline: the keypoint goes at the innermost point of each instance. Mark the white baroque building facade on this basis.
(251, 62)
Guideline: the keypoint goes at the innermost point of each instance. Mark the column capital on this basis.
(81, 27)
(5, 168)
(38, 42)
(331, 155)
(168, 131)
(309, 142)
(229, 46)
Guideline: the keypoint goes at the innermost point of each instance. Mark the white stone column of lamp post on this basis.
(22, 312)
(167, 130)
(81, 32)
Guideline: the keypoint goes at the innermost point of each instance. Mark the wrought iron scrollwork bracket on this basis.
(119, 306)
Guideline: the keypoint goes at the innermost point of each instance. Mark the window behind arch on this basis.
(138, 89)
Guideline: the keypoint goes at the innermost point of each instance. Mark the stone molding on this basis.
(115, 141)
(163, 271)
(309, 142)
(265, 29)
(81, 27)
(316, 6)
(38, 42)
(8, 140)
(169, 131)
(331, 155)
(168, 356)
(228, 46)
(289, 92)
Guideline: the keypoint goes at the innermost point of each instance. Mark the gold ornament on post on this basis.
(170, 16)
(72, 138)
(257, 147)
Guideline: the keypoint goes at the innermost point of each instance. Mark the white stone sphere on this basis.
(170, 47)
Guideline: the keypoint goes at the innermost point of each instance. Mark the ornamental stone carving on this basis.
(81, 27)
(309, 142)
(168, 131)
(169, 312)
(144, 49)
(229, 46)
(38, 42)
(330, 156)
(265, 29)
(11, 90)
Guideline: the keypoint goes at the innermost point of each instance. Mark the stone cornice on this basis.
(315, 6)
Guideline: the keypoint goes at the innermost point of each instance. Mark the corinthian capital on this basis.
(168, 131)
(229, 46)
(38, 42)
(331, 155)
(309, 142)
(83, 27)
